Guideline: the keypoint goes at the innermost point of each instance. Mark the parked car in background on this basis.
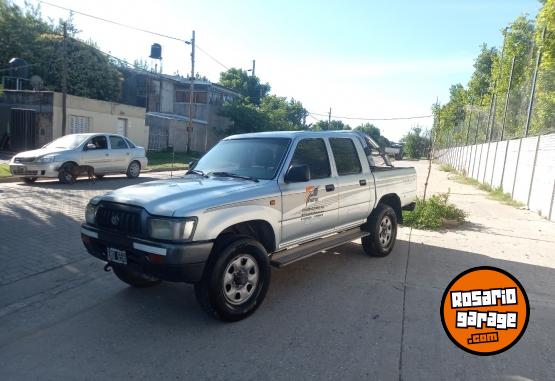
(395, 150)
(105, 153)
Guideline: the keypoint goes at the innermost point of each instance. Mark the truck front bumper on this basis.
(183, 262)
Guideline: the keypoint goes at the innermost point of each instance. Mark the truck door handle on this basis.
(330, 188)
(362, 182)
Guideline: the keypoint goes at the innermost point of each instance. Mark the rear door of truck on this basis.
(355, 181)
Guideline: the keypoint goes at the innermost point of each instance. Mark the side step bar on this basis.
(286, 257)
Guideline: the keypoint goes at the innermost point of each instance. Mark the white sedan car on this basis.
(105, 153)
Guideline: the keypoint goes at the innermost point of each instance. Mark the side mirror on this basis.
(297, 174)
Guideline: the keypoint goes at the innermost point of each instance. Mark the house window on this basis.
(79, 124)
(181, 96)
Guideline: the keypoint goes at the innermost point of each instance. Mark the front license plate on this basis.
(116, 256)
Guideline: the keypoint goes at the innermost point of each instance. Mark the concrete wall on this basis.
(524, 168)
(103, 115)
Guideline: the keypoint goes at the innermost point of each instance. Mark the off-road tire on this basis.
(133, 170)
(382, 225)
(65, 174)
(134, 277)
(211, 290)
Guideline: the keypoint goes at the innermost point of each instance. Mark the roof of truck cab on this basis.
(292, 134)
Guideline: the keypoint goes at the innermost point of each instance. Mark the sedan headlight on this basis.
(46, 159)
(172, 228)
(90, 214)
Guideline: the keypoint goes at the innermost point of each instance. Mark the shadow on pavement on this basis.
(336, 315)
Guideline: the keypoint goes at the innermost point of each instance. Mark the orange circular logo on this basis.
(485, 310)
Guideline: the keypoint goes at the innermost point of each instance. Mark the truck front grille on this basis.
(119, 220)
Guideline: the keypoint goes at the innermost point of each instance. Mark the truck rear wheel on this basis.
(235, 280)
(383, 231)
(134, 277)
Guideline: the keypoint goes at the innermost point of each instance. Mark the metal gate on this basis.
(23, 129)
(158, 138)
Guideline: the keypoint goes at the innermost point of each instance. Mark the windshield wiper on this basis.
(229, 174)
(196, 172)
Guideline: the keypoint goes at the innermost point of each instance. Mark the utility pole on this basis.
(253, 66)
(191, 93)
(64, 81)
(329, 119)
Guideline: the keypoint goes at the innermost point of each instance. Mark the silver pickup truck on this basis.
(252, 201)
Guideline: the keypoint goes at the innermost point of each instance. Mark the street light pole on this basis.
(191, 93)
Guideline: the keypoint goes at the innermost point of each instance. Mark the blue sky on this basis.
(373, 59)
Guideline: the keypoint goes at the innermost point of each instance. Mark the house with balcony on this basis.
(167, 102)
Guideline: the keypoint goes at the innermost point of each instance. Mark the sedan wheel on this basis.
(134, 169)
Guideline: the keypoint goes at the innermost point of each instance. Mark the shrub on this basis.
(433, 213)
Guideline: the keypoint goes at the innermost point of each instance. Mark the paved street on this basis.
(338, 315)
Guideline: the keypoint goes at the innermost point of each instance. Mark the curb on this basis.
(15, 179)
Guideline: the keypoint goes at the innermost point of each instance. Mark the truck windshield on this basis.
(258, 158)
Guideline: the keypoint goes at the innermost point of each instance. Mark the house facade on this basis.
(167, 102)
(30, 119)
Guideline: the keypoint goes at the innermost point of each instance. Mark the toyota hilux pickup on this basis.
(253, 201)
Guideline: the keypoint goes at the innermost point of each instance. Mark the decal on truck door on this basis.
(313, 208)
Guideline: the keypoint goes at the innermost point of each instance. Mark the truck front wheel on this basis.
(235, 280)
(382, 225)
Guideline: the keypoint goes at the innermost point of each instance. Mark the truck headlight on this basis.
(46, 159)
(90, 214)
(172, 228)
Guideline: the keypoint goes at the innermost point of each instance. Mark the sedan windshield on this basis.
(68, 141)
(257, 158)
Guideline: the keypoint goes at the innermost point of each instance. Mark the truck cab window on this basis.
(313, 152)
(346, 156)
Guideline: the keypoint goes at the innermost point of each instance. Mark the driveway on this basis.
(338, 315)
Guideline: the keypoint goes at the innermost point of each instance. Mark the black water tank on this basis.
(19, 68)
(156, 51)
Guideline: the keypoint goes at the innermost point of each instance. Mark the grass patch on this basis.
(5, 170)
(434, 213)
(505, 198)
(447, 168)
(496, 194)
(157, 160)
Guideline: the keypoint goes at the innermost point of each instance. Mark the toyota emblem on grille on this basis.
(114, 220)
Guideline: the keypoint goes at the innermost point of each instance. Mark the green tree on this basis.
(248, 86)
(25, 35)
(375, 133)
(283, 114)
(544, 112)
(518, 44)
(333, 125)
(417, 143)
(481, 81)
(245, 116)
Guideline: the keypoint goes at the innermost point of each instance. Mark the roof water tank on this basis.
(156, 51)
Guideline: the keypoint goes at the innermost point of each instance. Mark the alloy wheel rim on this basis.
(240, 279)
(134, 169)
(386, 231)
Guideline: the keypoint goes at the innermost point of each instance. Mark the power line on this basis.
(135, 28)
(114, 22)
(212, 58)
(372, 119)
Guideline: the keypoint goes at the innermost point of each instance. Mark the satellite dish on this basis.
(36, 82)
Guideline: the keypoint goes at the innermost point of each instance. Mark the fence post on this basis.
(552, 199)
(533, 171)
(503, 125)
(488, 138)
(466, 161)
(533, 90)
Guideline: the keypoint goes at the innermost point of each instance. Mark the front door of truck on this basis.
(310, 209)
